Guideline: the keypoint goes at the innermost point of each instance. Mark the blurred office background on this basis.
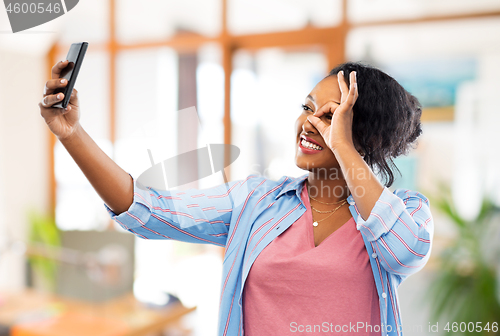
(247, 67)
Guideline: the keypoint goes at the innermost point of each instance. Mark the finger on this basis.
(53, 84)
(327, 108)
(73, 101)
(344, 89)
(356, 92)
(57, 69)
(319, 112)
(50, 100)
(318, 124)
(353, 89)
(352, 78)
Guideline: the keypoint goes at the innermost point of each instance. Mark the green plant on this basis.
(465, 288)
(43, 232)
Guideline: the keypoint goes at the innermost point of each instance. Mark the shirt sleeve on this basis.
(194, 215)
(400, 228)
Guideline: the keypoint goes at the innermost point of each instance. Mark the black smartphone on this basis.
(70, 72)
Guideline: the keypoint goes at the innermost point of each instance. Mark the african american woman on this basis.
(319, 254)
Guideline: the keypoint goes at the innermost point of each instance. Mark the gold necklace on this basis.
(328, 211)
(325, 202)
(318, 211)
(315, 223)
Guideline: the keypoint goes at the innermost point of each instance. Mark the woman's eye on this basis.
(306, 108)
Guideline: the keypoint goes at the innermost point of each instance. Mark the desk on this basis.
(126, 316)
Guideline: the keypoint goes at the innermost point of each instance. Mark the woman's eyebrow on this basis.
(312, 99)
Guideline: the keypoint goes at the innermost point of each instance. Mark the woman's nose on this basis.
(308, 127)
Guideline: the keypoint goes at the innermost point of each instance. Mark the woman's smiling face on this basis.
(306, 157)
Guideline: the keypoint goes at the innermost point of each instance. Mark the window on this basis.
(249, 89)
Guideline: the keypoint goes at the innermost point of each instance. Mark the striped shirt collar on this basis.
(297, 185)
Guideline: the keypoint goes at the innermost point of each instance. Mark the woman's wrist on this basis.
(77, 131)
(342, 147)
(361, 181)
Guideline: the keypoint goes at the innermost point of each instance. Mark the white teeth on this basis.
(307, 144)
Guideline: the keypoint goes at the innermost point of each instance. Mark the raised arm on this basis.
(112, 183)
(399, 225)
(200, 216)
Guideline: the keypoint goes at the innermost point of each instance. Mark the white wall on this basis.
(23, 154)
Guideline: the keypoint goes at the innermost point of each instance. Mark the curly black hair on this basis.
(386, 118)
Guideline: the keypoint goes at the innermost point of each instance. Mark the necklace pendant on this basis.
(315, 224)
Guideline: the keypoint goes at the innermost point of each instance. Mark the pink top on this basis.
(295, 287)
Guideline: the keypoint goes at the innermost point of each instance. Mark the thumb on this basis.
(317, 123)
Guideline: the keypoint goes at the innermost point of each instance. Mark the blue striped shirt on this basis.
(244, 216)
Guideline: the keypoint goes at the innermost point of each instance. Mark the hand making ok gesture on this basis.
(339, 131)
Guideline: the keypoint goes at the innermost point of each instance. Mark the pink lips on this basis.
(310, 140)
(308, 150)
